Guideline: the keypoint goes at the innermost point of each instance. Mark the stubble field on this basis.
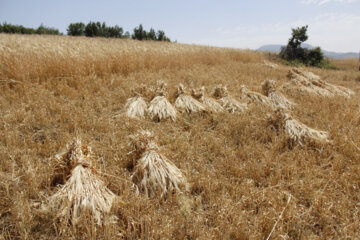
(245, 178)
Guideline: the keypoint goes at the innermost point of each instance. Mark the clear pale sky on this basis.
(333, 24)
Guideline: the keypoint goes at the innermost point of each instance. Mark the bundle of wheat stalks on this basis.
(211, 104)
(297, 131)
(254, 97)
(83, 193)
(136, 107)
(186, 103)
(277, 100)
(227, 102)
(153, 173)
(311, 83)
(270, 64)
(160, 108)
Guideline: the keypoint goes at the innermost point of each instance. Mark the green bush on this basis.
(314, 56)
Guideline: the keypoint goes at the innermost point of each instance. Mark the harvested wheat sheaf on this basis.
(83, 193)
(304, 81)
(254, 96)
(136, 107)
(270, 64)
(227, 102)
(160, 108)
(187, 103)
(297, 131)
(153, 173)
(277, 100)
(211, 104)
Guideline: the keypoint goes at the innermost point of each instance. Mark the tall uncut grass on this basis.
(241, 171)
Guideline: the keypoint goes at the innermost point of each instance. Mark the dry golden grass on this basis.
(241, 171)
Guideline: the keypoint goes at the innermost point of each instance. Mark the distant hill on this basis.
(277, 47)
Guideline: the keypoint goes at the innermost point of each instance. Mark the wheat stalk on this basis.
(279, 218)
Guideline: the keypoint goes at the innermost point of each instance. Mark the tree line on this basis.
(20, 29)
(92, 29)
(97, 29)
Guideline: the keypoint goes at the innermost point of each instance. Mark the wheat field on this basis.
(245, 179)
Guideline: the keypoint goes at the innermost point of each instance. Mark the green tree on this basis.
(76, 29)
(115, 32)
(92, 29)
(127, 34)
(160, 36)
(152, 34)
(294, 52)
(47, 30)
(298, 36)
(10, 28)
(139, 33)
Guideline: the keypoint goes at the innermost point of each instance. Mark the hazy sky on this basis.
(333, 24)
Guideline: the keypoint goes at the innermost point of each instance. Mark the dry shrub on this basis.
(154, 174)
(211, 104)
(84, 193)
(160, 108)
(228, 102)
(254, 97)
(297, 131)
(302, 80)
(186, 103)
(277, 99)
